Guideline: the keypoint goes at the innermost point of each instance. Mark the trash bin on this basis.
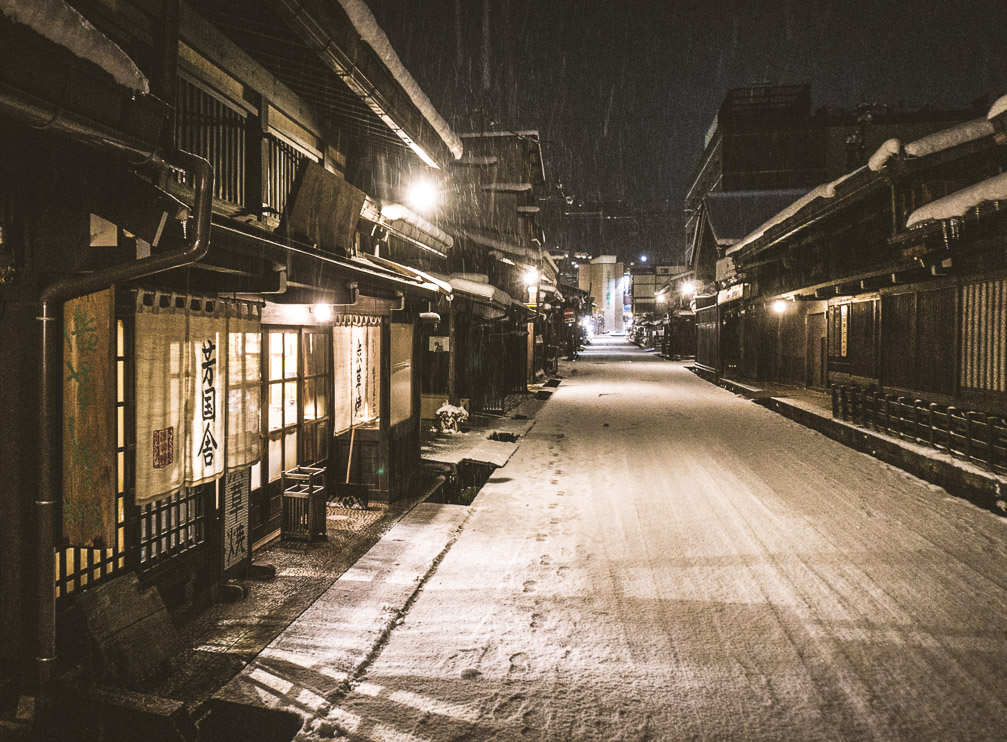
(303, 503)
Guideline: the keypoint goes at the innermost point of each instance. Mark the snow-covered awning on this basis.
(477, 290)
(61, 24)
(960, 202)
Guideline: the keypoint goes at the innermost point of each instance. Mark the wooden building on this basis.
(889, 278)
(208, 280)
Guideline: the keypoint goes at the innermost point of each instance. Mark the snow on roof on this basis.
(826, 190)
(528, 209)
(527, 133)
(397, 212)
(367, 26)
(470, 160)
(477, 289)
(508, 187)
(999, 107)
(889, 149)
(960, 202)
(493, 242)
(947, 138)
(61, 24)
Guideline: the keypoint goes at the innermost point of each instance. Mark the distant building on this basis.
(602, 279)
(765, 148)
(646, 284)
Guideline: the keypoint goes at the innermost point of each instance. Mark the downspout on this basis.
(41, 115)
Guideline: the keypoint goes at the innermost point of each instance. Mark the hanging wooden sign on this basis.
(89, 512)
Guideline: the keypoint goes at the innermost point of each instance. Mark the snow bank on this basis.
(61, 24)
(948, 138)
(367, 26)
(891, 148)
(960, 202)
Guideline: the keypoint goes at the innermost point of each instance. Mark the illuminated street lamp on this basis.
(423, 196)
(531, 278)
(779, 306)
(688, 289)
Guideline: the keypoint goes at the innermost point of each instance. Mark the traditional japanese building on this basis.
(209, 280)
(888, 278)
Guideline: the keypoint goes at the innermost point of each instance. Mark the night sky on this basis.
(623, 91)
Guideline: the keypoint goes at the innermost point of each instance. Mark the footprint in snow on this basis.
(519, 662)
(529, 586)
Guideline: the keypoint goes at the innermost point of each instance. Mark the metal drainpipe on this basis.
(41, 115)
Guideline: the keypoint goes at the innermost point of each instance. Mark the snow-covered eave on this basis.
(797, 212)
(377, 77)
(494, 243)
(397, 215)
(959, 203)
(367, 26)
(528, 209)
(998, 108)
(486, 292)
(61, 24)
(945, 139)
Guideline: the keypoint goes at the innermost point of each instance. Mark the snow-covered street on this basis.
(664, 560)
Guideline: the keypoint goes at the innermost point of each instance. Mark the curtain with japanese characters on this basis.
(356, 367)
(182, 366)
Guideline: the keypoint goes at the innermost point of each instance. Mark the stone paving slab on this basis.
(309, 664)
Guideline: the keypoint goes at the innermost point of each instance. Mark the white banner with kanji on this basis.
(188, 429)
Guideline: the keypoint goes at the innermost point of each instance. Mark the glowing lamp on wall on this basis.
(779, 306)
(423, 196)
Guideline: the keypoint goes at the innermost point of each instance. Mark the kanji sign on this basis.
(88, 422)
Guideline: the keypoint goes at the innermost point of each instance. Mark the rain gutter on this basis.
(41, 115)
